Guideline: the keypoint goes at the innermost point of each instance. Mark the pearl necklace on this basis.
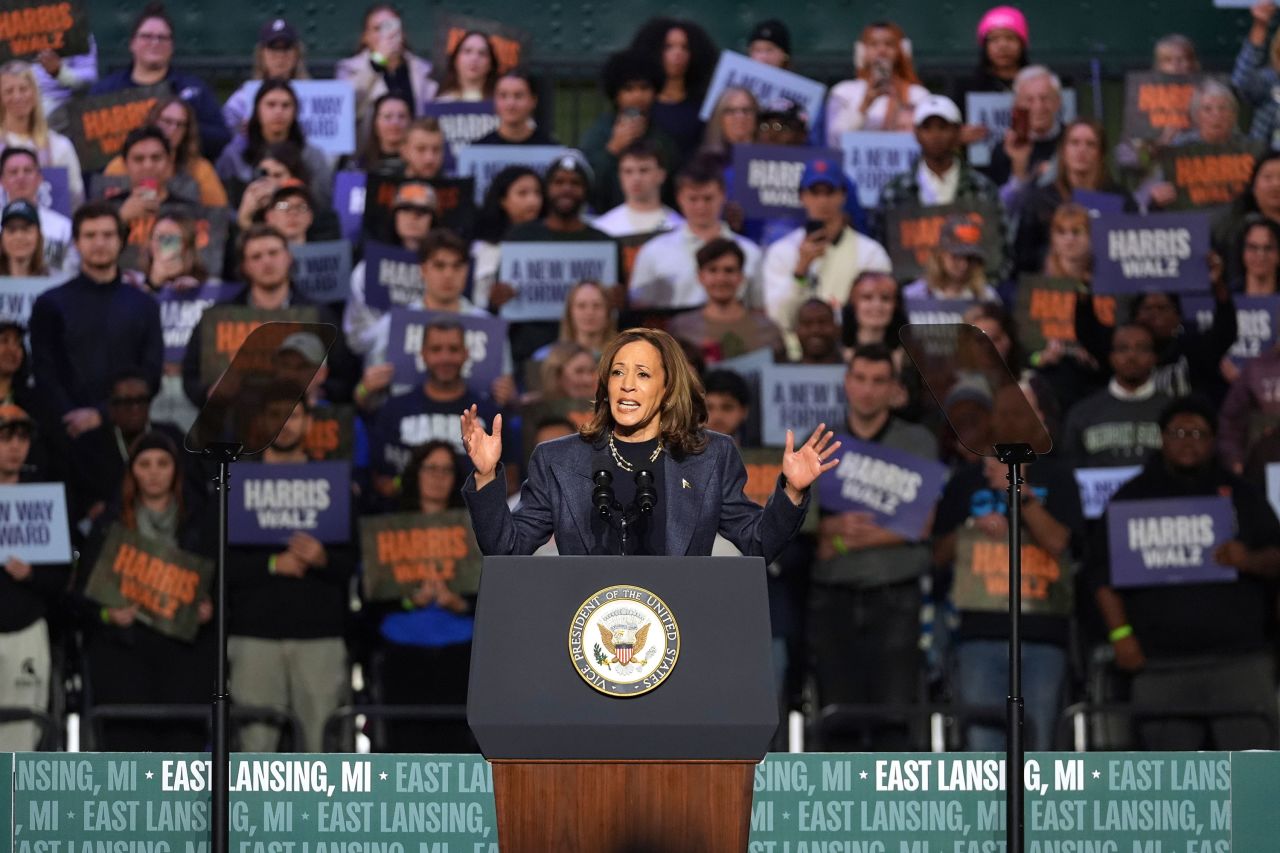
(624, 464)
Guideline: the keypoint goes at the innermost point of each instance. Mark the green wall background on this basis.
(1119, 32)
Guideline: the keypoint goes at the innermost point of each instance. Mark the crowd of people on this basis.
(99, 387)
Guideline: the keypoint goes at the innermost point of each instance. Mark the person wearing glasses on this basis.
(177, 119)
(151, 44)
(1201, 645)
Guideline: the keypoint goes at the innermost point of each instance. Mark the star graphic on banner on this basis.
(862, 775)
(71, 814)
(383, 776)
(1097, 774)
(786, 815)
(150, 775)
(306, 816)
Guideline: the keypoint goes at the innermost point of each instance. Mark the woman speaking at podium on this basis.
(643, 467)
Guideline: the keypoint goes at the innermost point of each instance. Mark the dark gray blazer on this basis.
(556, 499)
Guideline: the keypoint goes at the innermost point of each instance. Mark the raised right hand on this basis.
(484, 448)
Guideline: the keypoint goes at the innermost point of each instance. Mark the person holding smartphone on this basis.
(885, 91)
(631, 83)
(1031, 143)
(384, 63)
(822, 257)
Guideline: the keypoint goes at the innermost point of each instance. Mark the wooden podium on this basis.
(669, 771)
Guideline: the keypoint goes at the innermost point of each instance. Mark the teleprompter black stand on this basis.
(246, 409)
(990, 416)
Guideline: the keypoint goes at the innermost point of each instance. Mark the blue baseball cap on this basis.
(824, 170)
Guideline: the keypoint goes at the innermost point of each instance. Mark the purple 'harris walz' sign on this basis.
(1167, 252)
(1169, 541)
(897, 488)
(270, 502)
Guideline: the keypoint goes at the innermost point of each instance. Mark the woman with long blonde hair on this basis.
(23, 125)
(648, 418)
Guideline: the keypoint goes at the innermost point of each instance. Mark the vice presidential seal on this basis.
(624, 641)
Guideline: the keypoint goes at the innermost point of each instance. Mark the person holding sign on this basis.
(423, 651)
(85, 331)
(1200, 644)
(21, 180)
(27, 594)
(649, 415)
(287, 611)
(865, 601)
(886, 90)
(277, 56)
(413, 213)
(151, 47)
(23, 124)
(1262, 198)
(128, 659)
(970, 535)
(177, 119)
(444, 277)
(825, 255)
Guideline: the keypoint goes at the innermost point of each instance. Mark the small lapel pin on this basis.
(685, 483)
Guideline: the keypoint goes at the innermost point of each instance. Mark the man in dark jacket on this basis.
(85, 332)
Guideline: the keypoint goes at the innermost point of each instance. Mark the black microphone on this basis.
(646, 494)
(602, 494)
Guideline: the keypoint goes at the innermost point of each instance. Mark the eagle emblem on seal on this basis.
(623, 642)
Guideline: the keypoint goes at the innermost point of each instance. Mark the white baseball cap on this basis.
(937, 105)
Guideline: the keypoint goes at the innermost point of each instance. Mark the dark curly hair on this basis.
(651, 39)
(629, 66)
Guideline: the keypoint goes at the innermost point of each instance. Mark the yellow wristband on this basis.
(271, 564)
(837, 542)
(1121, 633)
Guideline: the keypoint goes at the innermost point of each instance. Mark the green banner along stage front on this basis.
(804, 803)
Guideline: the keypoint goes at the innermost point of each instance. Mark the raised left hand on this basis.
(804, 464)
